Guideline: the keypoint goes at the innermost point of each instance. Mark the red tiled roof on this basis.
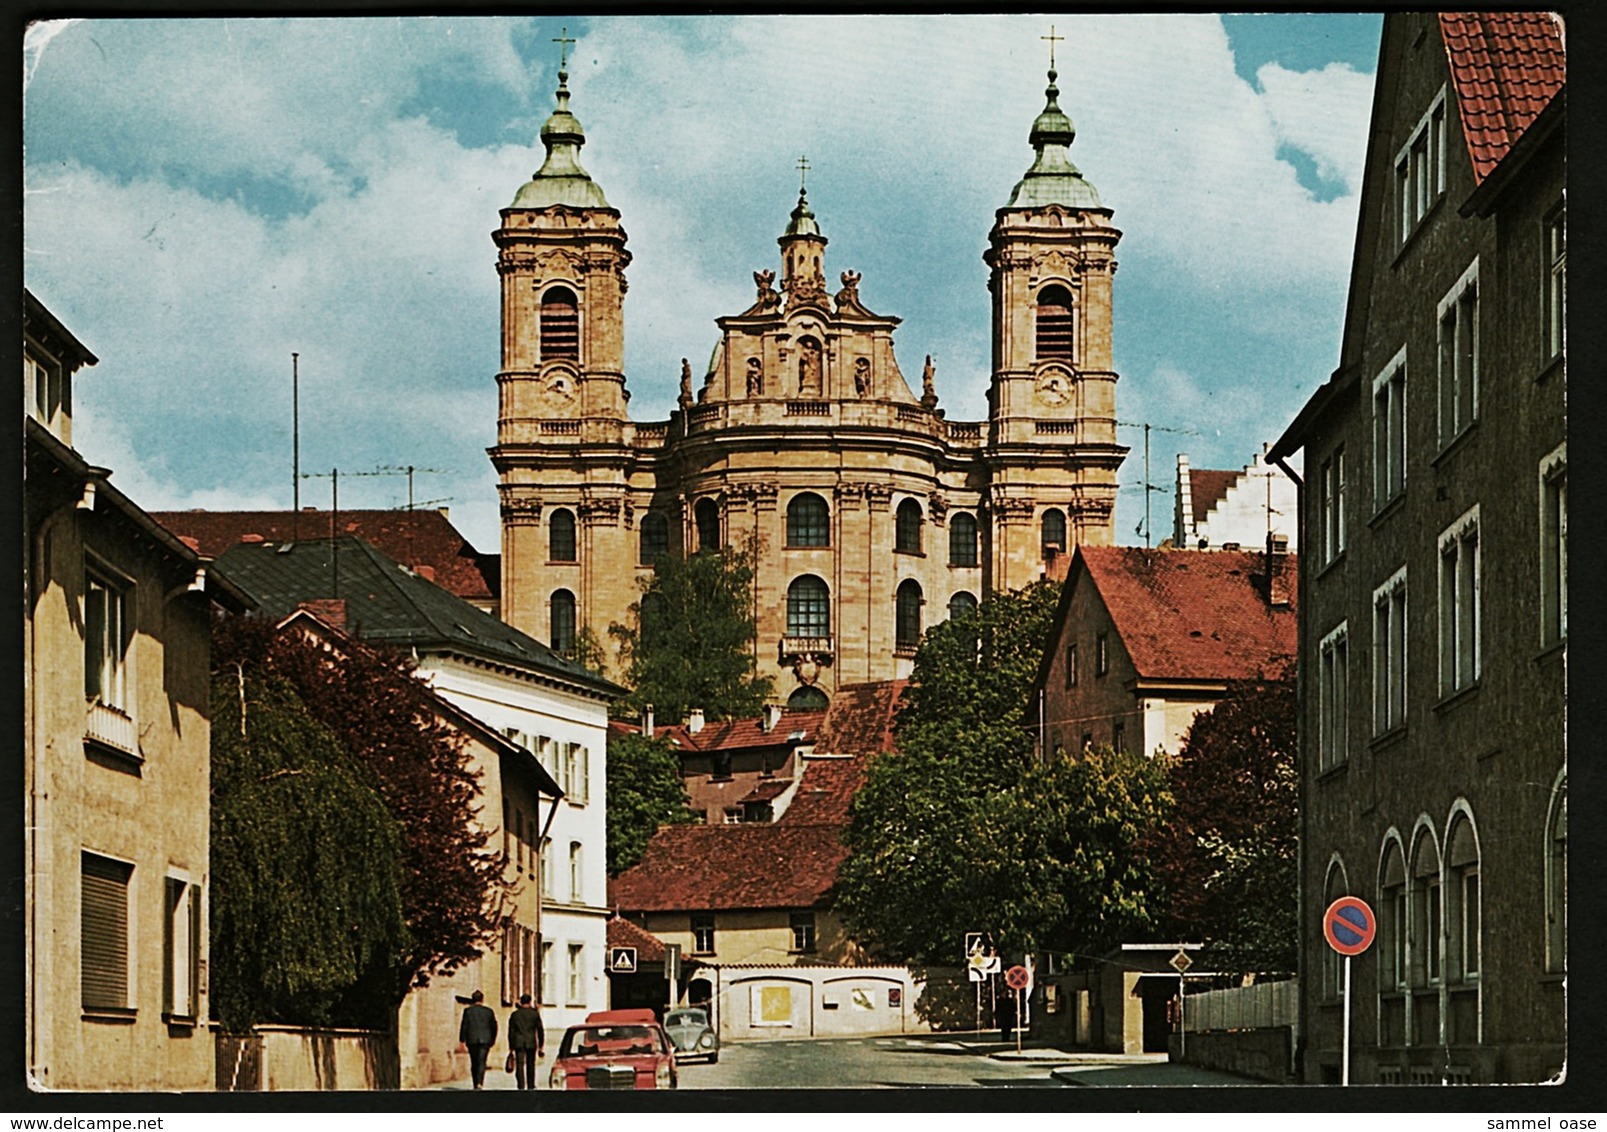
(623, 933)
(1207, 488)
(731, 867)
(423, 538)
(745, 734)
(825, 791)
(1506, 66)
(1190, 614)
(767, 790)
(860, 718)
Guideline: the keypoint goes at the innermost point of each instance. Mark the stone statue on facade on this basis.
(755, 378)
(928, 390)
(810, 381)
(767, 299)
(861, 376)
(685, 399)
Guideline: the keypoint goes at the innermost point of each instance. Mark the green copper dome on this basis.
(561, 180)
(1053, 179)
(803, 220)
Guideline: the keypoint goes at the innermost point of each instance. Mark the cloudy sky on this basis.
(205, 197)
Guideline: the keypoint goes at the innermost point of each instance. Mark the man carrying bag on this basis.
(527, 1041)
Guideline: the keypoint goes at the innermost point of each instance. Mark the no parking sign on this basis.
(1349, 925)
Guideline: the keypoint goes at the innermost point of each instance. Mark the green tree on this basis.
(384, 718)
(690, 641)
(1228, 857)
(306, 865)
(645, 791)
(962, 829)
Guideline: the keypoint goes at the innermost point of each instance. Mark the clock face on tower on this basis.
(560, 387)
(1054, 388)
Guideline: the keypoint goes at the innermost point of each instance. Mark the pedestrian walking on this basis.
(478, 1032)
(528, 1041)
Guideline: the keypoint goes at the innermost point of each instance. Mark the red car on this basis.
(615, 1049)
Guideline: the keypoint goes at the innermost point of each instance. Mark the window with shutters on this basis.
(181, 951)
(104, 934)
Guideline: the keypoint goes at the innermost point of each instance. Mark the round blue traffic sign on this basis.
(1349, 925)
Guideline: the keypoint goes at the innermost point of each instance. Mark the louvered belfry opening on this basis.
(1055, 340)
(560, 325)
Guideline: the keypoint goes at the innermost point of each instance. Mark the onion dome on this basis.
(560, 179)
(803, 220)
(1053, 179)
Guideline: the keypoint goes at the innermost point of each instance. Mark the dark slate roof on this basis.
(623, 933)
(1506, 67)
(388, 604)
(1191, 614)
(732, 867)
(425, 541)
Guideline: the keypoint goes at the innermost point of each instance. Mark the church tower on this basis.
(1051, 403)
(562, 263)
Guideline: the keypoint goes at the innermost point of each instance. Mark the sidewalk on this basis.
(498, 1079)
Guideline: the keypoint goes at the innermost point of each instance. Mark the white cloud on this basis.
(206, 196)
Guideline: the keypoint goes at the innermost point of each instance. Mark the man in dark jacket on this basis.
(527, 1039)
(478, 1031)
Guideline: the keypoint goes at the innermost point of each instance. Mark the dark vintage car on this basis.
(689, 1030)
(615, 1049)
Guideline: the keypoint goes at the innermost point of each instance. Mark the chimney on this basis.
(771, 717)
(647, 720)
(330, 610)
(1277, 559)
(694, 720)
(425, 572)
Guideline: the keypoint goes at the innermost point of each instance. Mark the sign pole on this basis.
(1182, 1023)
(1344, 1056)
(979, 1006)
(1018, 1020)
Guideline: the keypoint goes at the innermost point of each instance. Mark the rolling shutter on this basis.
(105, 932)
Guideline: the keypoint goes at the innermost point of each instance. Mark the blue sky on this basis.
(204, 197)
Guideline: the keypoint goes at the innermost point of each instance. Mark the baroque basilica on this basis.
(870, 514)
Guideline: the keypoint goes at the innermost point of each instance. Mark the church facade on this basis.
(869, 514)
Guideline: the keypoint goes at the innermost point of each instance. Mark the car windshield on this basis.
(686, 1018)
(593, 1041)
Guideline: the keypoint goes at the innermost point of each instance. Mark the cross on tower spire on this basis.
(803, 172)
(564, 42)
(1052, 38)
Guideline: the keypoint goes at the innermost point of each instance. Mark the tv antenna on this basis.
(1148, 486)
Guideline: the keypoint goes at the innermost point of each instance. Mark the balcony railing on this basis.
(111, 727)
(806, 646)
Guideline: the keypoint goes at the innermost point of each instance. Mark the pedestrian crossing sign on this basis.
(622, 960)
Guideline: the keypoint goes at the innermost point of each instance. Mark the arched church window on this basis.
(961, 603)
(907, 623)
(655, 537)
(907, 528)
(1054, 324)
(962, 540)
(1392, 919)
(707, 517)
(1054, 531)
(561, 536)
(808, 608)
(807, 698)
(1463, 928)
(560, 325)
(1426, 911)
(1335, 885)
(808, 521)
(562, 622)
